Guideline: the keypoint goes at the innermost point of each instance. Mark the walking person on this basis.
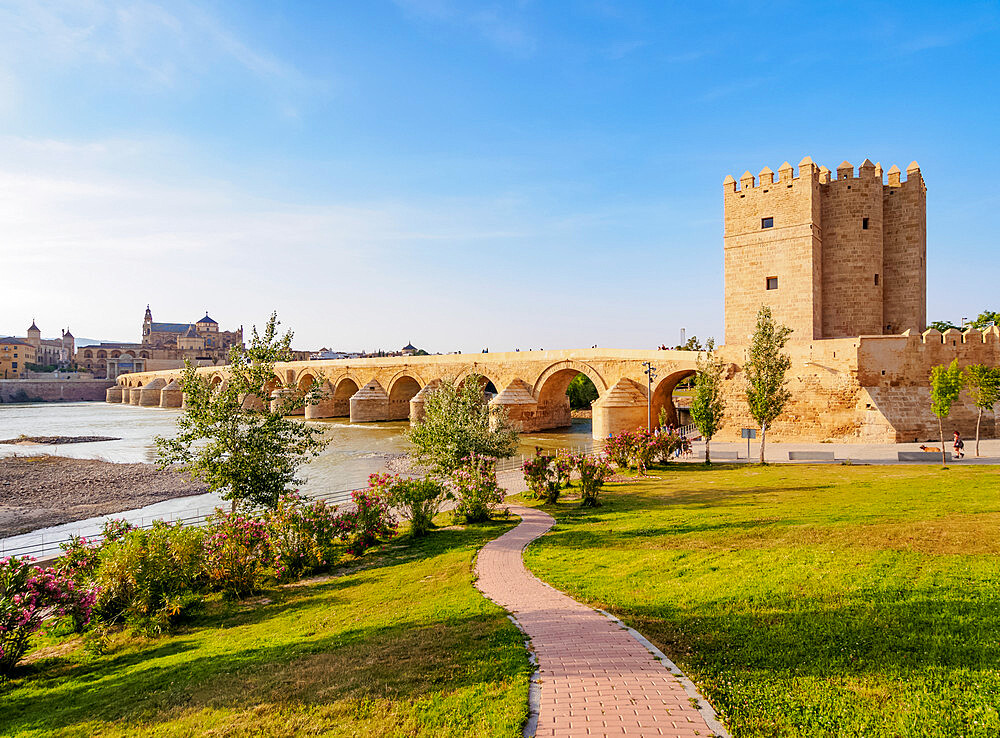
(959, 446)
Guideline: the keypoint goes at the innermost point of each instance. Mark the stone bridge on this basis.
(530, 384)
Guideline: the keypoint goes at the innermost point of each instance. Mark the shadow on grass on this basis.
(404, 661)
(151, 677)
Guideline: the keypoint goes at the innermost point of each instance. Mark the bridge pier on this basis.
(621, 408)
(522, 408)
(134, 394)
(325, 408)
(172, 395)
(114, 394)
(149, 395)
(417, 401)
(370, 404)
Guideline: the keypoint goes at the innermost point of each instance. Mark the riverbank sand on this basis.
(41, 491)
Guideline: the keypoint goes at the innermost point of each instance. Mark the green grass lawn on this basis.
(805, 601)
(403, 647)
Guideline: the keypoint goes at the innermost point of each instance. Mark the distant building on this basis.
(163, 346)
(56, 352)
(15, 353)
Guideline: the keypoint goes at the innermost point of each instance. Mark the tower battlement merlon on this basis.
(846, 170)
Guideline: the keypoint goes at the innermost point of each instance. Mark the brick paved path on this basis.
(596, 678)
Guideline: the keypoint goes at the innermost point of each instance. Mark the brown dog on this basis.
(931, 449)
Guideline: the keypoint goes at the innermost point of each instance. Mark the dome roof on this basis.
(33, 326)
(207, 319)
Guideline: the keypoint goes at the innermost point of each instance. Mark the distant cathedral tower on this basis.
(34, 335)
(833, 258)
(147, 325)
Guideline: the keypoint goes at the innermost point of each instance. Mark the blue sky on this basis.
(458, 174)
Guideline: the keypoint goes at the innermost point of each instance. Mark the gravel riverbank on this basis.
(41, 491)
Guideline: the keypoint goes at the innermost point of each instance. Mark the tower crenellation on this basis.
(833, 256)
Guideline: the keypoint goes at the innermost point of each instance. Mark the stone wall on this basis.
(30, 390)
(871, 389)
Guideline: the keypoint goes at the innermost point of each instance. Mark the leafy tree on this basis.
(943, 325)
(581, 392)
(983, 385)
(946, 385)
(692, 344)
(765, 372)
(232, 437)
(458, 423)
(985, 320)
(707, 407)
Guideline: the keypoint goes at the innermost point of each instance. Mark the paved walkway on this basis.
(596, 678)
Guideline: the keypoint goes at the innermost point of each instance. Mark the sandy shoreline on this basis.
(42, 491)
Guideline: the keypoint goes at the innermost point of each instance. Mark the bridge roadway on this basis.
(530, 384)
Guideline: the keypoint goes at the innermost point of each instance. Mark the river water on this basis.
(354, 451)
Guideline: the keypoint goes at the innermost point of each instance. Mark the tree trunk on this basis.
(978, 421)
(763, 435)
(941, 430)
(708, 456)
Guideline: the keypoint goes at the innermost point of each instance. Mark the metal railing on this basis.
(46, 545)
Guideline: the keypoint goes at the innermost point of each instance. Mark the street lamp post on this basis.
(650, 371)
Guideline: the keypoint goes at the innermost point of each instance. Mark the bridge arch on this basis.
(403, 387)
(566, 370)
(492, 384)
(663, 395)
(550, 388)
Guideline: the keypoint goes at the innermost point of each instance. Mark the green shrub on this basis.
(416, 500)
(149, 578)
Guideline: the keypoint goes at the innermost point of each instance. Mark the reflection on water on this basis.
(354, 452)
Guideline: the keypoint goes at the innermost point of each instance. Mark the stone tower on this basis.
(832, 257)
(34, 335)
(147, 325)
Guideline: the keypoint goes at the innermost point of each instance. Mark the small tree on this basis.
(765, 372)
(983, 385)
(986, 319)
(458, 424)
(946, 385)
(708, 409)
(233, 437)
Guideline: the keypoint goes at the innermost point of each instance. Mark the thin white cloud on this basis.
(152, 44)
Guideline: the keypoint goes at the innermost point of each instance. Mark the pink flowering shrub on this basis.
(303, 535)
(475, 485)
(369, 521)
(639, 448)
(594, 472)
(115, 529)
(80, 558)
(543, 475)
(236, 552)
(563, 464)
(27, 595)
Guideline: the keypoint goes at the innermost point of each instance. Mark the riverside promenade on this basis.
(595, 676)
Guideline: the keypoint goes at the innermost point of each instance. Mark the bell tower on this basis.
(147, 325)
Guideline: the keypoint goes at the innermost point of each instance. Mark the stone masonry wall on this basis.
(904, 252)
(18, 390)
(852, 254)
(789, 250)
